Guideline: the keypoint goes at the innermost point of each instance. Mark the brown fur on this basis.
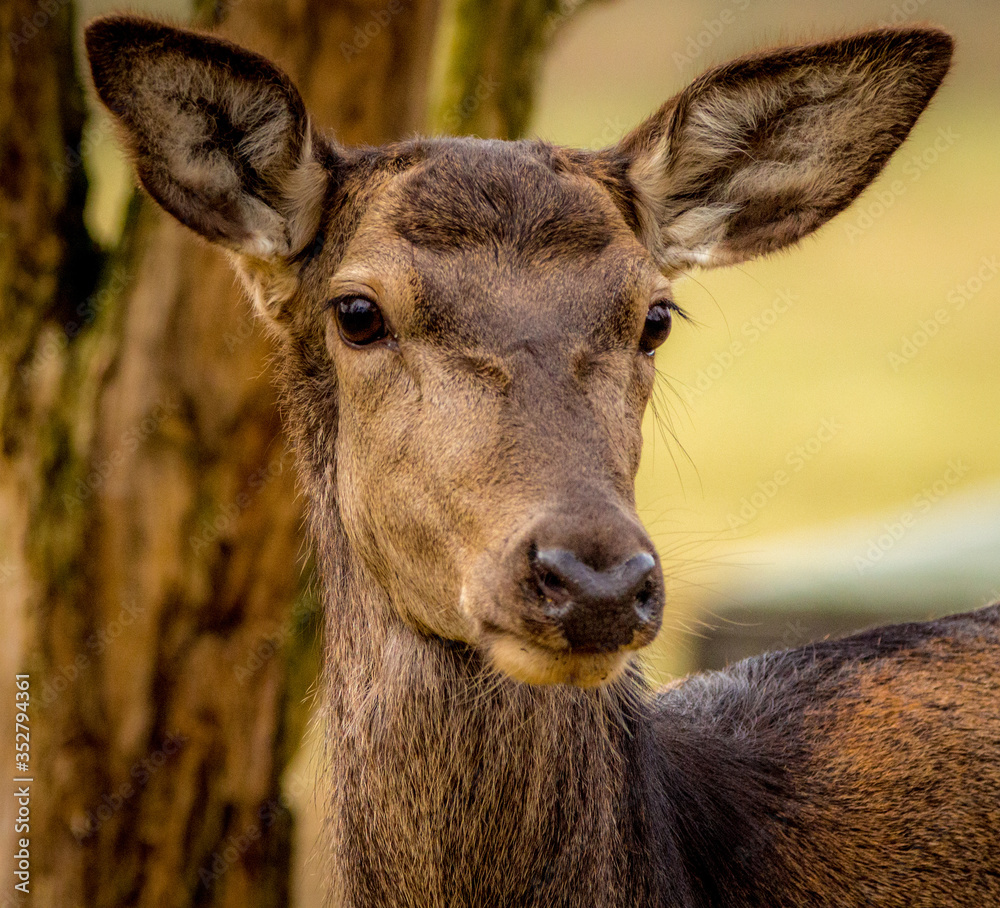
(502, 414)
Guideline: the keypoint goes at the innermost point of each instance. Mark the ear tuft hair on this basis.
(219, 136)
(758, 153)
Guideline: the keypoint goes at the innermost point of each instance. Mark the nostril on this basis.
(647, 604)
(556, 599)
(550, 586)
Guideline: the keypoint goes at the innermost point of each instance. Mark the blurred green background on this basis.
(824, 449)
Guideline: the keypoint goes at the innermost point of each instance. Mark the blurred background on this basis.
(823, 452)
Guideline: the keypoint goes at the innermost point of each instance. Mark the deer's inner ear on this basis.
(758, 153)
(219, 136)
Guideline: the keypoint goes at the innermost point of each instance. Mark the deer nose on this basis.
(599, 611)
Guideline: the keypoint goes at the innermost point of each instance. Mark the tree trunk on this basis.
(495, 58)
(42, 243)
(155, 533)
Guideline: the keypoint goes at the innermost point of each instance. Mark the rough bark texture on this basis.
(47, 268)
(495, 57)
(151, 525)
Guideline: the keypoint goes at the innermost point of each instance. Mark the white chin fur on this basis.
(536, 665)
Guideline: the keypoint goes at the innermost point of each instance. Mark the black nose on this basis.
(599, 610)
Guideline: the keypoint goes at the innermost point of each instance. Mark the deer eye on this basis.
(659, 321)
(359, 320)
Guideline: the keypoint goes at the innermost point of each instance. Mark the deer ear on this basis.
(758, 153)
(219, 137)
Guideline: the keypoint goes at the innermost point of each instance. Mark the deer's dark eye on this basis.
(359, 320)
(659, 320)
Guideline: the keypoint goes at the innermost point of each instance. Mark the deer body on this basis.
(465, 334)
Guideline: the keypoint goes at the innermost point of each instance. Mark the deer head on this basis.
(467, 327)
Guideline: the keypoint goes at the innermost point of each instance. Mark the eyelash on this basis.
(677, 310)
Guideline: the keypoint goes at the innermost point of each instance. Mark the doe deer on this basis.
(465, 333)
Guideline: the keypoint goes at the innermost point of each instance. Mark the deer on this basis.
(465, 331)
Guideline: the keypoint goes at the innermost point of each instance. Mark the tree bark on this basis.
(495, 56)
(47, 264)
(155, 531)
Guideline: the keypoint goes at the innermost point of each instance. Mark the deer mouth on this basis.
(535, 647)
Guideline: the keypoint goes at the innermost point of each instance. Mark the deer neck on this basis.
(456, 786)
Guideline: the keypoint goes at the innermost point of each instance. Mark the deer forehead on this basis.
(489, 243)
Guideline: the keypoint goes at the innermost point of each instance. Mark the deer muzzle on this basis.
(569, 599)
